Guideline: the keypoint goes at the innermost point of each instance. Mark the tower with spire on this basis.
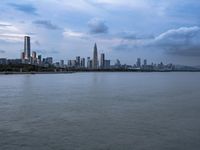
(95, 58)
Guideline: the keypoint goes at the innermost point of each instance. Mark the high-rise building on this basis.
(22, 56)
(95, 58)
(89, 64)
(62, 63)
(138, 63)
(102, 61)
(82, 62)
(34, 55)
(145, 63)
(49, 60)
(117, 63)
(78, 61)
(40, 57)
(27, 47)
(107, 64)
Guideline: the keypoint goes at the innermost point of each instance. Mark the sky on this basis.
(156, 30)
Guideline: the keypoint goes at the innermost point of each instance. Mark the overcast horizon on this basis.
(155, 30)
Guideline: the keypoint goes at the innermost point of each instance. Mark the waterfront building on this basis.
(22, 56)
(39, 59)
(95, 58)
(138, 63)
(27, 47)
(3, 61)
(71, 63)
(117, 63)
(78, 61)
(62, 63)
(145, 63)
(49, 60)
(34, 55)
(107, 64)
(102, 61)
(82, 62)
(89, 63)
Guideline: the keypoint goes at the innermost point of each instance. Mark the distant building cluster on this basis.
(96, 62)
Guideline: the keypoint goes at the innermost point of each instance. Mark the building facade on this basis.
(95, 58)
(27, 47)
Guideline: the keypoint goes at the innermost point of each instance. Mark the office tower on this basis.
(62, 63)
(49, 60)
(107, 64)
(88, 63)
(145, 62)
(82, 62)
(78, 61)
(22, 56)
(3, 61)
(40, 57)
(27, 47)
(69, 63)
(138, 63)
(117, 63)
(34, 55)
(95, 58)
(102, 61)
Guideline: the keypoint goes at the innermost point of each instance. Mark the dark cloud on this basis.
(46, 24)
(97, 26)
(2, 51)
(26, 8)
(183, 41)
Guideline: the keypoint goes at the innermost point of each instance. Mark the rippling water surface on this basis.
(100, 111)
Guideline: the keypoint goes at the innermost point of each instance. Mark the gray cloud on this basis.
(26, 8)
(2, 51)
(183, 42)
(97, 26)
(46, 24)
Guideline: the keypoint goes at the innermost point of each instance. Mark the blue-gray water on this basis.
(100, 111)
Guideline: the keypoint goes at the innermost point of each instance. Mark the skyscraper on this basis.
(95, 58)
(145, 62)
(102, 61)
(34, 55)
(138, 63)
(82, 63)
(27, 47)
(78, 61)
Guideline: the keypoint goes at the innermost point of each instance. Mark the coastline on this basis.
(89, 71)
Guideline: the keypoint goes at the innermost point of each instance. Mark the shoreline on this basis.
(97, 71)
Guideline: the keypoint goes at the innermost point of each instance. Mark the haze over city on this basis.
(161, 30)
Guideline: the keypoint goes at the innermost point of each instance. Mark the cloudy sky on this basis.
(158, 30)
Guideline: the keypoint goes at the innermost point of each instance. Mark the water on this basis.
(100, 111)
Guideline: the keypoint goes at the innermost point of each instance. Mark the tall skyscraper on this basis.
(22, 56)
(27, 47)
(89, 64)
(145, 62)
(82, 62)
(138, 63)
(102, 61)
(78, 61)
(34, 55)
(95, 58)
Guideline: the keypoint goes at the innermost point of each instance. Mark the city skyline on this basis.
(157, 31)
